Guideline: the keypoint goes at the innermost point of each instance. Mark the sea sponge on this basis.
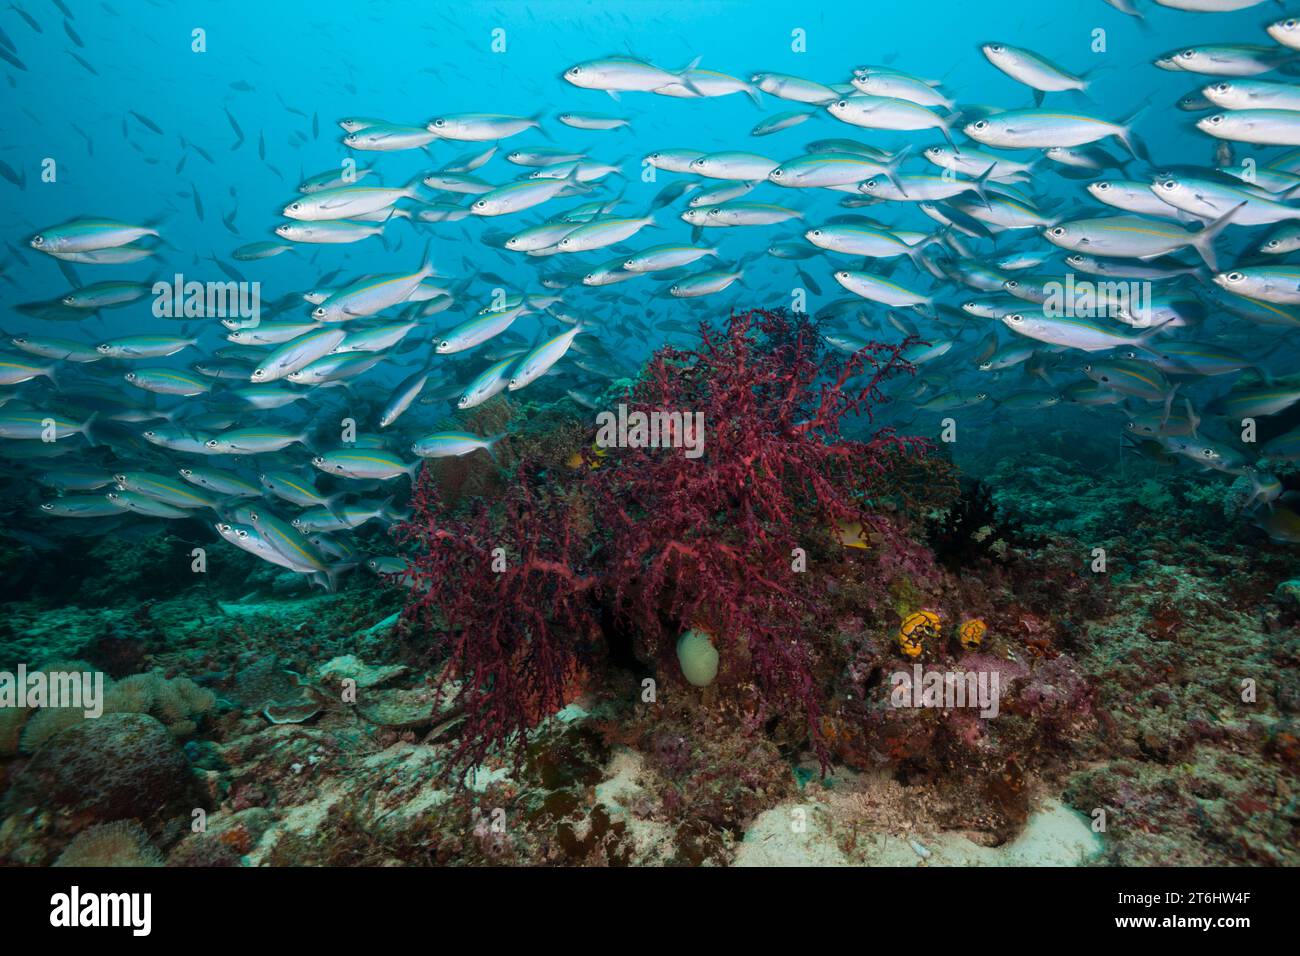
(123, 843)
(698, 657)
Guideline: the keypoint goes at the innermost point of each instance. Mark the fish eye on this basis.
(1207, 452)
(211, 443)
(1015, 317)
(778, 173)
(980, 124)
(674, 289)
(995, 47)
(1290, 24)
(1187, 54)
(816, 233)
(1235, 276)
(295, 206)
(440, 123)
(480, 204)
(1013, 283)
(442, 344)
(842, 104)
(1272, 243)
(38, 240)
(1169, 184)
(1102, 186)
(1058, 231)
(1222, 87)
(1216, 119)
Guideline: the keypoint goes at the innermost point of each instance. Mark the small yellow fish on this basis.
(575, 460)
(851, 534)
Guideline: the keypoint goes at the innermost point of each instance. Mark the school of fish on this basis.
(280, 427)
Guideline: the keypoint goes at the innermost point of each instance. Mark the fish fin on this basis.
(1038, 98)
(87, 429)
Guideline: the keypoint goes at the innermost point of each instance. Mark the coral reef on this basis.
(1147, 713)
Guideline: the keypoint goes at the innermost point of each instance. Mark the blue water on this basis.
(286, 72)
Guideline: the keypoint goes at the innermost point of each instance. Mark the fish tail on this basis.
(1203, 241)
(331, 573)
(684, 74)
(489, 445)
(1129, 139)
(536, 120)
(892, 165)
(87, 429)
